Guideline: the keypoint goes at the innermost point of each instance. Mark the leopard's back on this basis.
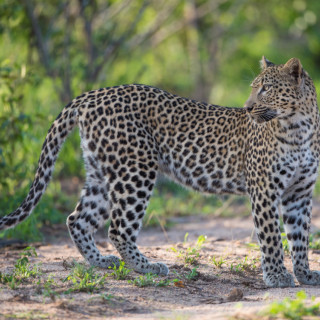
(199, 145)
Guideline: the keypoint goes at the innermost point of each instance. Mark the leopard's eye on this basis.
(266, 87)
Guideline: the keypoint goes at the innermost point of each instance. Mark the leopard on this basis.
(268, 149)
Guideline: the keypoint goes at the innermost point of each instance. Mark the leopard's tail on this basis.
(57, 134)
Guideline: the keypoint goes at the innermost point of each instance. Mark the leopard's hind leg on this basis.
(90, 214)
(129, 197)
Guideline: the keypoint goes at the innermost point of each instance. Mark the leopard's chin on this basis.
(264, 117)
(257, 120)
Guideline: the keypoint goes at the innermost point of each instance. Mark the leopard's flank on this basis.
(268, 150)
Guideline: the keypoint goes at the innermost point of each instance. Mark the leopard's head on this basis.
(277, 91)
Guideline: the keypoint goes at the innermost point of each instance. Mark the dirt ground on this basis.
(216, 293)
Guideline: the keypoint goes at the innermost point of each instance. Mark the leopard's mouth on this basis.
(267, 116)
(262, 114)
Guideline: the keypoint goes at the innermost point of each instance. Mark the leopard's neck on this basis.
(297, 129)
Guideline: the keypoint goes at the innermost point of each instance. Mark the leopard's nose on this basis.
(249, 106)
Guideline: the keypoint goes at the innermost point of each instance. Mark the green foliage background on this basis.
(52, 51)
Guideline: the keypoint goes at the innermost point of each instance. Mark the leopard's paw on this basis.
(159, 268)
(106, 262)
(282, 279)
(308, 277)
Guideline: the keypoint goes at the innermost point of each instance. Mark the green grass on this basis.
(218, 262)
(48, 289)
(253, 245)
(22, 271)
(84, 279)
(293, 309)
(107, 297)
(285, 243)
(120, 273)
(144, 280)
(245, 265)
(150, 280)
(28, 315)
(316, 192)
(314, 241)
(191, 254)
(193, 274)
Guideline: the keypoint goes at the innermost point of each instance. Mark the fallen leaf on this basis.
(179, 284)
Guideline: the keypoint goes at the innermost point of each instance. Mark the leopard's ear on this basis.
(294, 68)
(265, 63)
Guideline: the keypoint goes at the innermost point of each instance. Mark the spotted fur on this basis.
(268, 150)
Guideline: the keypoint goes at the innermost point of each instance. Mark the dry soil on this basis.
(234, 289)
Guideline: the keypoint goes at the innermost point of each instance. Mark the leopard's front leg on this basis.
(265, 198)
(266, 219)
(296, 208)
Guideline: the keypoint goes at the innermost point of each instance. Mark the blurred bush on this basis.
(52, 51)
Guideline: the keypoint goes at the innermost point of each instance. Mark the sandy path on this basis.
(207, 297)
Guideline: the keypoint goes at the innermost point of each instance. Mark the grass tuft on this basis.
(120, 273)
(293, 309)
(84, 279)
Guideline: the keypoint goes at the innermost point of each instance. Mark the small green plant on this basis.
(218, 263)
(250, 265)
(84, 279)
(48, 289)
(145, 280)
(245, 265)
(164, 282)
(179, 277)
(10, 280)
(120, 273)
(314, 241)
(22, 269)
(200, 241)
(107, 297)
(293, 309)
(29, 315)
(191, 254)
(235, 268)
(285, 243)
(253, 245)
(150, 279)
(193, 274)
